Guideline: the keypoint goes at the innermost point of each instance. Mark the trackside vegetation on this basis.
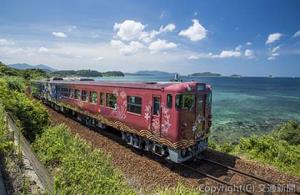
(31, 114)
(280, 148)
(5, 143)
(78, 168)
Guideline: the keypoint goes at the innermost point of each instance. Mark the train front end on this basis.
(193, 106)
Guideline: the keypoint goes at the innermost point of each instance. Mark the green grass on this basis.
(280, 148)
(77, 167)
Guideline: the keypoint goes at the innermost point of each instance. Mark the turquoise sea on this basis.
(244, 106)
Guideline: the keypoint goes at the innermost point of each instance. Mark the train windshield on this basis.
(185, 101)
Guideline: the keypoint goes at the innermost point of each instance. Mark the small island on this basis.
(236, 76)
(205, 74)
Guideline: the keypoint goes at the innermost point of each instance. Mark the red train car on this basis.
(171, 119)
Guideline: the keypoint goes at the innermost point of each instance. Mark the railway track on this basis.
(240, 188)
(199, 170)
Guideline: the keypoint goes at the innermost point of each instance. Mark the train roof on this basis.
(140, 85)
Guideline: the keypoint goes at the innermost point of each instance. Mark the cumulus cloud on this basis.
(297, 34)
(127, 49)
(59, 34)
(159, 45)
(273, 37)
(249, 53)
(229, 54)
(6, 42)
(196, 32)
(129, 30)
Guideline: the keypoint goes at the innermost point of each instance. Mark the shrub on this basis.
(32, 115)
(270, 150)
(289, 132)
(78, 168)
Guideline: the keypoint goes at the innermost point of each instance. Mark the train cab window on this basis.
(77, 94)
(156, 105)
(134, 104)
(84, 95)
(111, 100)
(169, 101)
(200, 104)
(185, 101)
(93, 97)
(102, 98)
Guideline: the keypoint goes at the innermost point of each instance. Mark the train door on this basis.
(200, 113)
(156, 114)
(187, 114)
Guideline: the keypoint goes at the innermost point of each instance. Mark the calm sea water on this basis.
(244, 106)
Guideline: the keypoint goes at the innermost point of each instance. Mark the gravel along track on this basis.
(146, 172)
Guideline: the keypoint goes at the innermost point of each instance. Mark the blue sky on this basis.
(252, 38)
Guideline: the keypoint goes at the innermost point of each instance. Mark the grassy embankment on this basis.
(75, 165)
(280, 148)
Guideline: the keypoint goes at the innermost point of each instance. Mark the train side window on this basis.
(77, 94)
(102, 98)
(93, 97)
(111, 100)
(71, 93)
(169, 101)
(156, 105)
(134, 104)
(83, 95)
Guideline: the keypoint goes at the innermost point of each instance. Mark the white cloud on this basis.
(201, 55)
(297, 34)
(196, 32)
(43, 50)
(274, 52)
(154, 33)
(6, 42)
(249, 53)
(129, 30)
(59, 34)
(159, 45)
(127, 49)
(275, 49)
(273, 37)
(222, 54)
(271, 58)
(248, 43)
(229, 54)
